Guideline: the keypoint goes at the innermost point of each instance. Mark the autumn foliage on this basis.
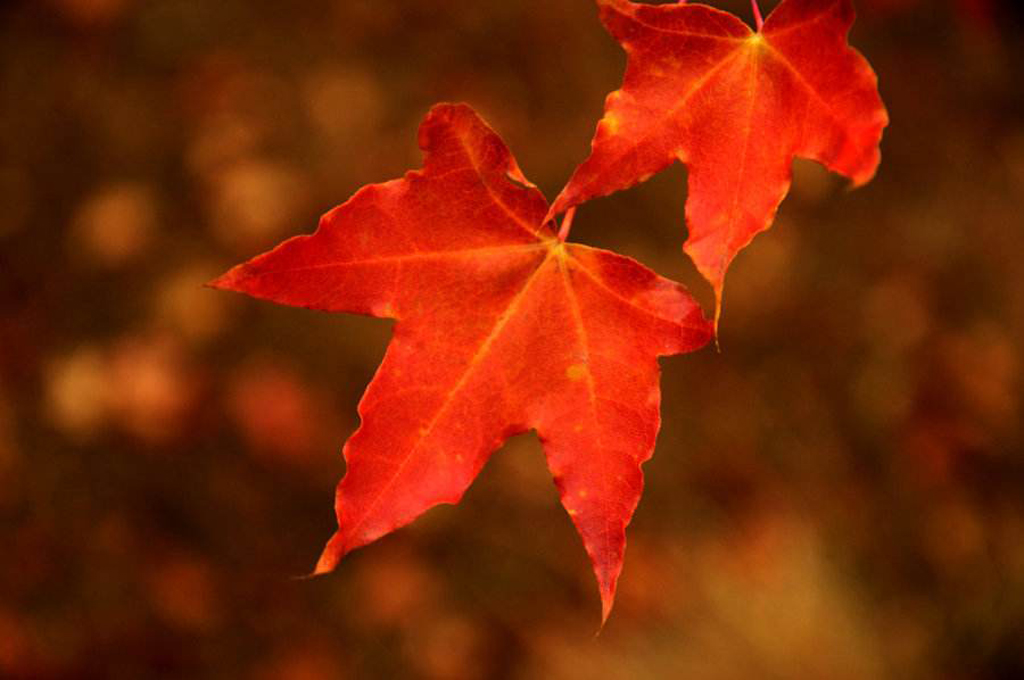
(503, 326)
(736, 106)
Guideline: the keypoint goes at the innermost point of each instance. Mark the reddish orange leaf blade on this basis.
(501, 328)
(735, 106)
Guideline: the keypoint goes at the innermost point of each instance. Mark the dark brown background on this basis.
(838, 494)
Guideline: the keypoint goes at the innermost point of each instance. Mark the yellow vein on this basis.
(782, 59)
(581, 334)
(697, 86)
(490, 191)
(421, 255)
(687, 34)
(805, 22)
(481, 351)
(739, 186)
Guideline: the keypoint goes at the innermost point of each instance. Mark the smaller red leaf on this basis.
(736, 106)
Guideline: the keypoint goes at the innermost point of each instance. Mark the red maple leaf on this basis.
(735, 106)
(501, 327)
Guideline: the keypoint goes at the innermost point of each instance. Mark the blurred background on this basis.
(838, 494)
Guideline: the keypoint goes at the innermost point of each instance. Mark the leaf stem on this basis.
(758, 19)
(563, 232)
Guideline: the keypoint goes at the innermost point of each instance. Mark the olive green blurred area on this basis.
(837, 493)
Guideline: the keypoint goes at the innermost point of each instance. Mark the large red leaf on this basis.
(735, 106)
(501, 328)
